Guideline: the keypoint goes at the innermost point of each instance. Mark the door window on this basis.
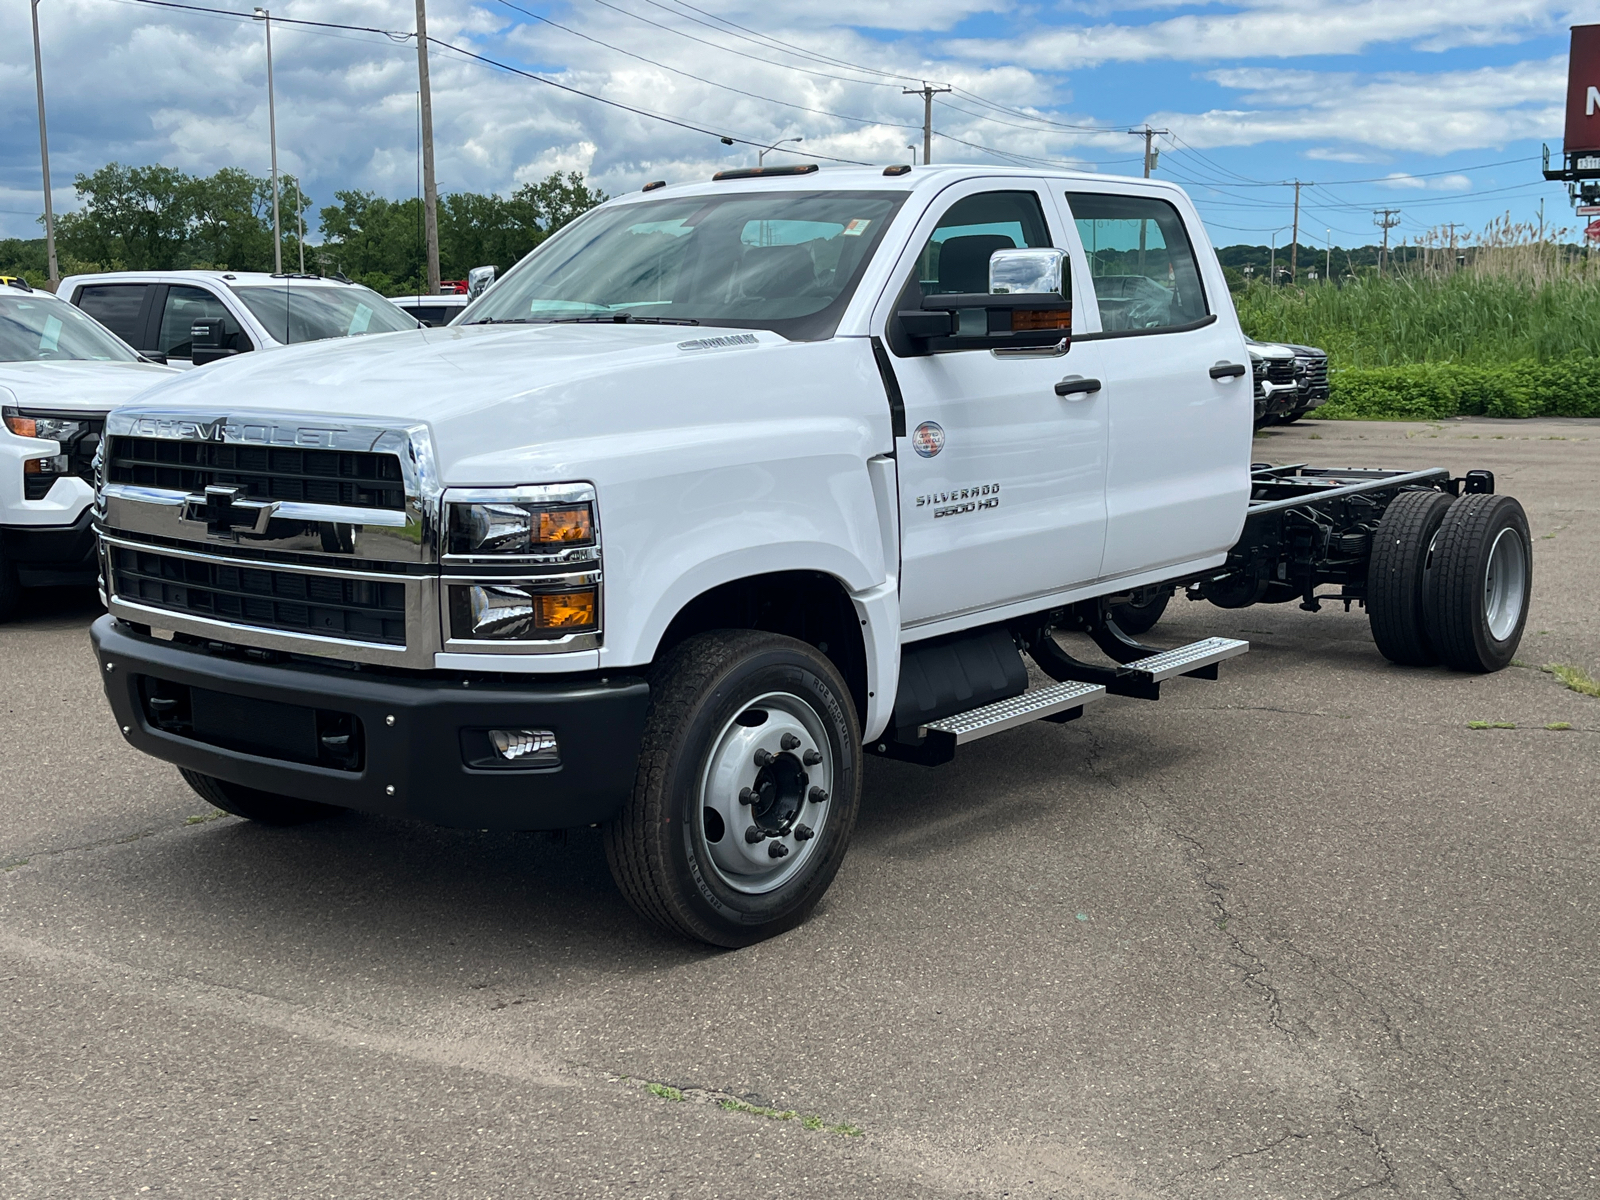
(185, 306)
(1141, 261)
(956, 256)
(118, 307)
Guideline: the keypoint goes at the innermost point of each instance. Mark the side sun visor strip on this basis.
(891, 387)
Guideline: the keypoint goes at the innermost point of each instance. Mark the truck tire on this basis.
(269, 808)
(1141, 614)
(1480, 584)
(1397, 575)
(752, 742)
(10, 589)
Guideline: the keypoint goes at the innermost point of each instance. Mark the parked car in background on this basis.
(1277, 391)
(1311, 381)
(155, 311)
(432, 310)
(60, 373)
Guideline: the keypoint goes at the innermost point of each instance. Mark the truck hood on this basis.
(480, 389)
(78, 386)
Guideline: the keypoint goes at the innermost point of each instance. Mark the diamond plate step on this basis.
(1195, 656)
(1019, 710)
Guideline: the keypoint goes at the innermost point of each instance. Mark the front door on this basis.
(1002, 481)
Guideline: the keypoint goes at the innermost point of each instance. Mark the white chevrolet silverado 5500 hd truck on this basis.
(720, 488)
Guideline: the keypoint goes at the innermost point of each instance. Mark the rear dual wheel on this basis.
(1449, 581)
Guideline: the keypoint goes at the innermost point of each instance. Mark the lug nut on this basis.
(789, 742)
(811, 757)
(754, 835)
(804, 833)
(746, 796)
(818, 796)
(776, 850)
(763, 758)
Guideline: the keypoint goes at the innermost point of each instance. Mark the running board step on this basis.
(1198, 659)
(1055, 701)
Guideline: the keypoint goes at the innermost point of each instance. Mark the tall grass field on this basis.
(1516, 333)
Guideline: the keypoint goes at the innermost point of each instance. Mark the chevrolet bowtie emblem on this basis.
(225, 510)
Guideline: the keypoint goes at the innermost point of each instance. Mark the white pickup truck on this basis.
(720, 488)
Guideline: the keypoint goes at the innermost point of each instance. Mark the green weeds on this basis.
(1491, 725)
(734, 1105)
(1575, 678)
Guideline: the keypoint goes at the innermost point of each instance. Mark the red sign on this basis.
(1592, 231)
(1583, 90)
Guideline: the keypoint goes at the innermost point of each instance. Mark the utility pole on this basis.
(1150, 152)
(300, 216)
(263, 14)
(927, 93)
(44, 157)
(1294, 245)
(430, 191)
(1451, 226)
(1386, 219)
(1327, 270)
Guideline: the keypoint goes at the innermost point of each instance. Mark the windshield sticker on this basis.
(717, 343)
(927, 439)
(857, 227)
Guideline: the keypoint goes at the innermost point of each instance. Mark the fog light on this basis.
(525, 745)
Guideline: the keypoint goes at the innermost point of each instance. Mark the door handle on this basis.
(1227, 370)
(1077, 385)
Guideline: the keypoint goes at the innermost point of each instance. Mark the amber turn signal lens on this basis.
(565, 525)
(22, 426)
(1031, 320)
(566, 610)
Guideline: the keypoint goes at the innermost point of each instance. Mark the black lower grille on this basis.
(360, 479)
(359, 609)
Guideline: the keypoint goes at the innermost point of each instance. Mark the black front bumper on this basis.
(413, 736)
(52, 555)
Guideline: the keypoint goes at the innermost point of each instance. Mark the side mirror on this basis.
(206, 336)
(478, 280)
(1028, 306)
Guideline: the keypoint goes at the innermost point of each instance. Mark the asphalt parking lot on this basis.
(1298, 933)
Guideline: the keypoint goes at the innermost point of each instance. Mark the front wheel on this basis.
(1481, 582)
(746, 795)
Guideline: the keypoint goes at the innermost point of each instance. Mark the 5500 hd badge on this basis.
(961, 500)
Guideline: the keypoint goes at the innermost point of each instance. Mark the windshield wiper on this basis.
(503, 321)
(621, 318)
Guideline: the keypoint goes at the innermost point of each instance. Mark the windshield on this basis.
(296, 313)
(784, 262)
(41, 328)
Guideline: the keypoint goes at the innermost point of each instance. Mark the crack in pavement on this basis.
(27, 856)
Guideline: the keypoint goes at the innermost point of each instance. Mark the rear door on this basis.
(1178, 465)
(1002, 481)
(123, 308)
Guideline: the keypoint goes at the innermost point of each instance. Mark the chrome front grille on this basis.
(1280, 370)
(352, 478)
(1313, 375)
(260, 595)
(273, 531)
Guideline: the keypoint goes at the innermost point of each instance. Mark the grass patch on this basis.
(1558, 725)
(1491, 725)
(1575, 678)
(735, 1105)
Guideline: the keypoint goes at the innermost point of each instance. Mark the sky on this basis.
(1437, 110)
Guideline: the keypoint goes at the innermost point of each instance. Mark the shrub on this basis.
(1569, 387)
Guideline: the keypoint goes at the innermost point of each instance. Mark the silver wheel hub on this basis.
(1505, 584)
(766, 792)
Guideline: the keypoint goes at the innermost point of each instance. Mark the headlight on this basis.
(55, 429)
(522, 565)
(521, 522)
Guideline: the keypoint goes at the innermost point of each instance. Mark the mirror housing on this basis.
(206, 336)
(478, 281)
(1028, 306)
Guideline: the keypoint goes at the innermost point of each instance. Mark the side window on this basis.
(1141, 261)
(956, 256)
(118, 307)
(184, 306)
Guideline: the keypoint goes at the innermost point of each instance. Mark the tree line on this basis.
(159, 218)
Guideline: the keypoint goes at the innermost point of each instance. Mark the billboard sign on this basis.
(1583, 90)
